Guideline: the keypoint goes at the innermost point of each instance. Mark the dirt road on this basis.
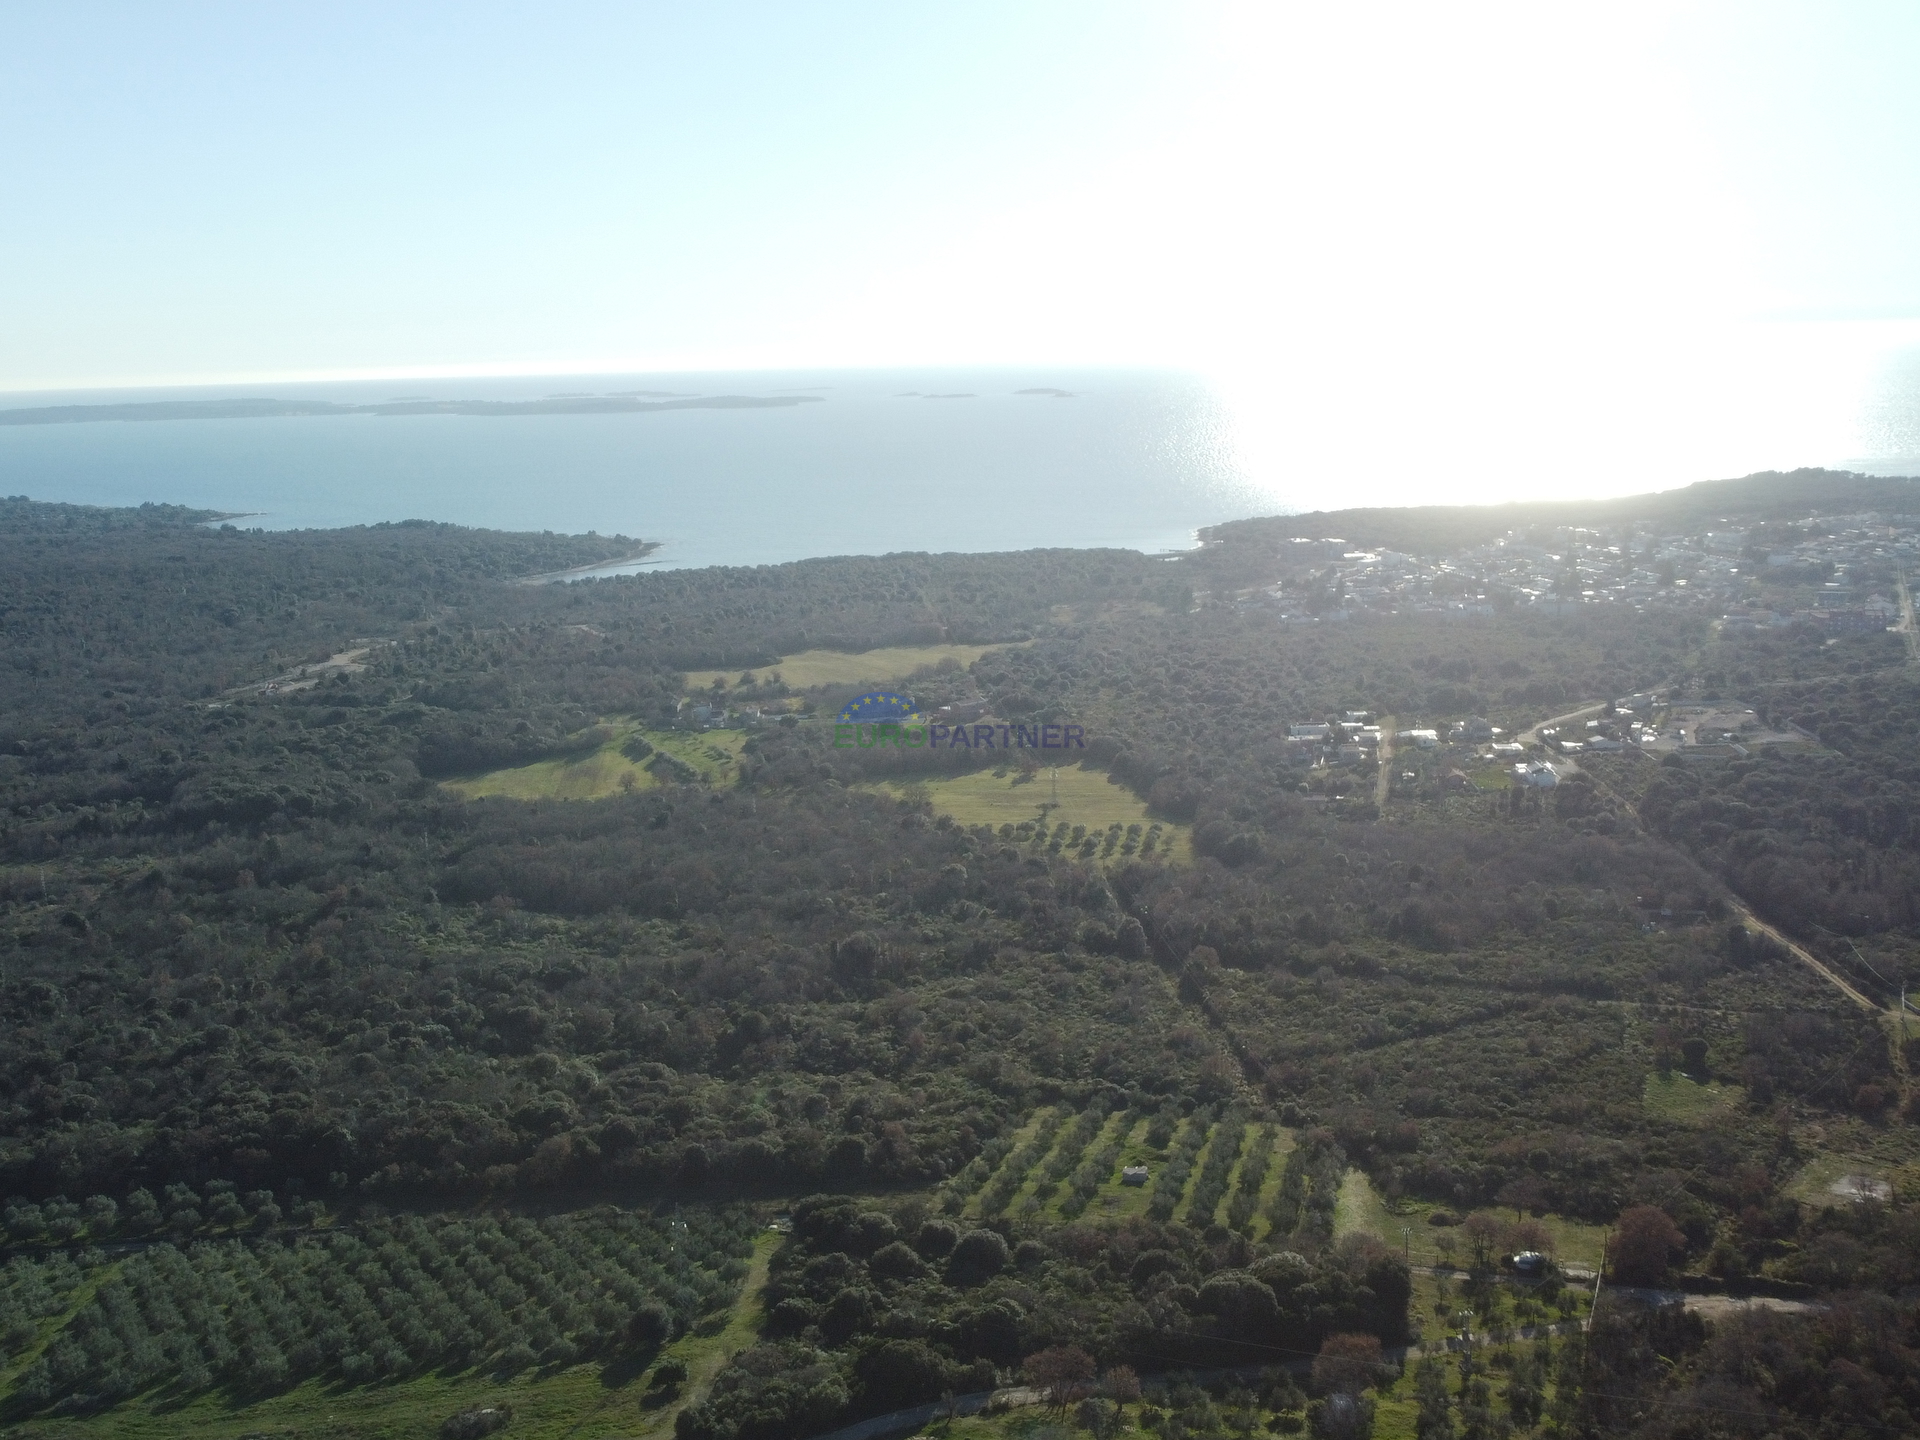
(1754, 922)
(304, 677)
(1908, 631)
(1738, 906)
(1384, 780)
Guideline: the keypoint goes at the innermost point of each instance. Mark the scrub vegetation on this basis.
(375, 1056)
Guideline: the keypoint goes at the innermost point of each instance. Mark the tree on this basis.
(1099, 1418)
(1058, 1372)
(1341, 1417)
(1527, 1192)
(1121, 1386)
(1525, 1235)
(1643, 1243)
(979, 1255)
(1435, 1418)
(1347, 1364)
(1482, 1231)
(650, 1327)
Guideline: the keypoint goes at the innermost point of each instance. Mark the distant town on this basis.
(1838, 572)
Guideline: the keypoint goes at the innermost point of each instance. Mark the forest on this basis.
(316, 1074)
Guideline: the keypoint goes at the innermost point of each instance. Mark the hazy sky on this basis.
(1309, 196)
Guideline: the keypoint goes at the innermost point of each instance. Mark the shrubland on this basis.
(281, 1007)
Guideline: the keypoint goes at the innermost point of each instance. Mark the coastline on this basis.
(593, 571)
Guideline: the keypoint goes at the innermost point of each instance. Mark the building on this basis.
(1539, 774)
(1424, 739)
(1309, 731)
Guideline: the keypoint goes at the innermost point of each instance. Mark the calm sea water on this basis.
(1135, 459)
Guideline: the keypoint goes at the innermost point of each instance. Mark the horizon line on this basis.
(494, 370)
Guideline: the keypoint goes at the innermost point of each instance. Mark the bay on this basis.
(979, 459)
(878, 462)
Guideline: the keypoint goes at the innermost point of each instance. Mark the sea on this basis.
(871, 462)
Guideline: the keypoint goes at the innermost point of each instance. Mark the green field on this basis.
(1361, 1208)
(1813, 1183)
(1069, 795)
(837, 667)
(1686, 1101)
(607, 771)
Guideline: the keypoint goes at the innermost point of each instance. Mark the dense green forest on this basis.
(293, 1030)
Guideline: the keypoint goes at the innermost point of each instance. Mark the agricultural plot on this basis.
(812, 668)
(1532, 1381)
(1070, 810)
(1062, 1166)
(399, 1301)
(632, 758)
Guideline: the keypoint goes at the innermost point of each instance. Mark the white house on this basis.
(1539, 773)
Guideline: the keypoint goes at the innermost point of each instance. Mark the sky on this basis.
(1445, 215)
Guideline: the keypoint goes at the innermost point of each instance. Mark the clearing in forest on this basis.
(1829, 1179)
(1361, 1208)
(619, 765)
(1009, 798)
(838, 667)
(1686, 1101)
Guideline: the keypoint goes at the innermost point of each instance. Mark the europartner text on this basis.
(954, 737)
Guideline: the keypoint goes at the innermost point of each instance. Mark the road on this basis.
(1384, 780)
(1737, 905)
(1908, 631)
(1583, 713)
(1754, 922)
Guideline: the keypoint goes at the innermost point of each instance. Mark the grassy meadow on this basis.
(1362, 1208)
(609, 770)
(811, 668)
(1687, 1101)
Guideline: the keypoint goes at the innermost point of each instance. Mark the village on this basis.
(1838, 572)
(1475, 754)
